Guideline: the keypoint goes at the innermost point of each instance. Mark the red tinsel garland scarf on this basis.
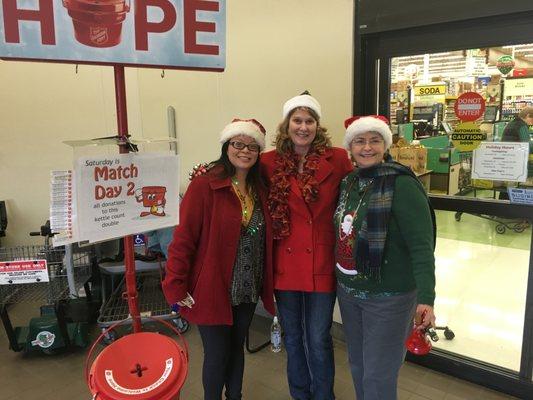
(286, 165)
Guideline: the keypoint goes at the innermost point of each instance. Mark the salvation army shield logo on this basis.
(98, 35)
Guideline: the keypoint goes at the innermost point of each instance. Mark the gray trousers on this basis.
(375, 331)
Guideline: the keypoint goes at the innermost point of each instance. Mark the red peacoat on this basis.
(204, 248)
(305, 260)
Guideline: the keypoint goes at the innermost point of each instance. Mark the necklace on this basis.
(346, 220)
(242, 199)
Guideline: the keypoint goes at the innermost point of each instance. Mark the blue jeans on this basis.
(306, 319)
(375, 331)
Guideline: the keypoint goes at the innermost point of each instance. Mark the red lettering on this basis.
(102, 173)
(44, 15)
(143, 27)
(191, 26)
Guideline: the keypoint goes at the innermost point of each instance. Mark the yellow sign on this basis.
(467, 136)
(430, 90)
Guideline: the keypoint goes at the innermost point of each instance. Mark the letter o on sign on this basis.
(469, 106)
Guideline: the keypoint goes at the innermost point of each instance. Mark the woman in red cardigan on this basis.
(219, 259)
(304, 173)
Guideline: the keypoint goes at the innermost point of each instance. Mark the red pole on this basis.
(129, 258)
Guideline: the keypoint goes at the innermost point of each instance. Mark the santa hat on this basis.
(303, 100)
(248, 127)
(371, 123)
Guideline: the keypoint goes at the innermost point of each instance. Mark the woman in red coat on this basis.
(304, 173)
(219, 259)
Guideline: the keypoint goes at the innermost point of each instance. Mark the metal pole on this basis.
(129, 259)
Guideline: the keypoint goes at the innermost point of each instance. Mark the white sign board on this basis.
(187, 34)
(501, 161)
(126, 194)
(518, 86)
(24, 271)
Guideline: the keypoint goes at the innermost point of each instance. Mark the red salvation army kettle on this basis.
(139, 366)
(97, 23)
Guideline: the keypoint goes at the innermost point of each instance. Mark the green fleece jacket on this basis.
(408, 259)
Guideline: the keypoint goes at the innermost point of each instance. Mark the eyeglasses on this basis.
(253, 147)
(375, 142)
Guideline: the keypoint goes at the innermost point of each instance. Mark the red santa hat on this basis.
(303, 100)
(248, 127)
(362, 124)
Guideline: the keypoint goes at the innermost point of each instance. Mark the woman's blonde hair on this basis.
(283, 141)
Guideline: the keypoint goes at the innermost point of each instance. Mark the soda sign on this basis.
(187, 34)
(469, 106)
(430, 90)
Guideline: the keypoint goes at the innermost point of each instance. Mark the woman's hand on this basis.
(186, 302)
(424, 317)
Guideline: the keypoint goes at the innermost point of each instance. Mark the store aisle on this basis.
(60, 377)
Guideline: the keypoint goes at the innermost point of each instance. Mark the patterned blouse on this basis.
(247, 279)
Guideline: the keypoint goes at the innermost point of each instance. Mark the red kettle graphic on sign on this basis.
(152, 197)
(97, 23)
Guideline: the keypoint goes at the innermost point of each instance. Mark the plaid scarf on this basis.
(373, 233)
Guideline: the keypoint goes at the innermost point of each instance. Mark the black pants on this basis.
(224, 354)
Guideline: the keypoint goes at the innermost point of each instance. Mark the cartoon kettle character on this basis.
(152, 197)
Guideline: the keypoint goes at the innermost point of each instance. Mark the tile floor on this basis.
(481, 287)
(60, 377)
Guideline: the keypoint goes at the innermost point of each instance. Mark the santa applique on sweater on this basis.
(344, 257)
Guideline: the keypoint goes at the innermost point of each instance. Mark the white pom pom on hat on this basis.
(370, 123)
(247, 127)
(303, 100)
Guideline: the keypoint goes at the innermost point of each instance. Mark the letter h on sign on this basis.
(44, 15)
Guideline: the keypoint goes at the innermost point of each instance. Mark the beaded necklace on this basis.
(243, 199)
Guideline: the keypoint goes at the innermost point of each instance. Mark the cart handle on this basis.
(97, 341)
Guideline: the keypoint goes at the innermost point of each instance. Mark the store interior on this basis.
(482, 261)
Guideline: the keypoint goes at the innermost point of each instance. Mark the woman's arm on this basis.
(183, 248)
(411, 210)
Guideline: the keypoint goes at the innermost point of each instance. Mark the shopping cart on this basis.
(52, 277)
(151, 301)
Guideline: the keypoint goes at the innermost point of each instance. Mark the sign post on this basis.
(170, 34)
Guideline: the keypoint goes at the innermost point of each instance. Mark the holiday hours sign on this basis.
(188, 34)
(126, 194)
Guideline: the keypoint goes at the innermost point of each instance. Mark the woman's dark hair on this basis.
(254, 179)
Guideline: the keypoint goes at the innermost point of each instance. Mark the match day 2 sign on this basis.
(126, 194)
(186, 34)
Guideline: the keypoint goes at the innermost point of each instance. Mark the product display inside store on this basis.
(424, 91)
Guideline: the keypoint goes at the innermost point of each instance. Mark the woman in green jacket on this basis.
(384, 258)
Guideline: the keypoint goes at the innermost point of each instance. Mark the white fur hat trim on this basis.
(247, 128)
(367, 124)
(303, 100)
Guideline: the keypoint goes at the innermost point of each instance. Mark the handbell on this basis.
(418, 342)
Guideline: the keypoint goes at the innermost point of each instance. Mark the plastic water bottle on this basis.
(275, 336)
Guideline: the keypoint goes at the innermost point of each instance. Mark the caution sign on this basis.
(469, 106)
(467, 136)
